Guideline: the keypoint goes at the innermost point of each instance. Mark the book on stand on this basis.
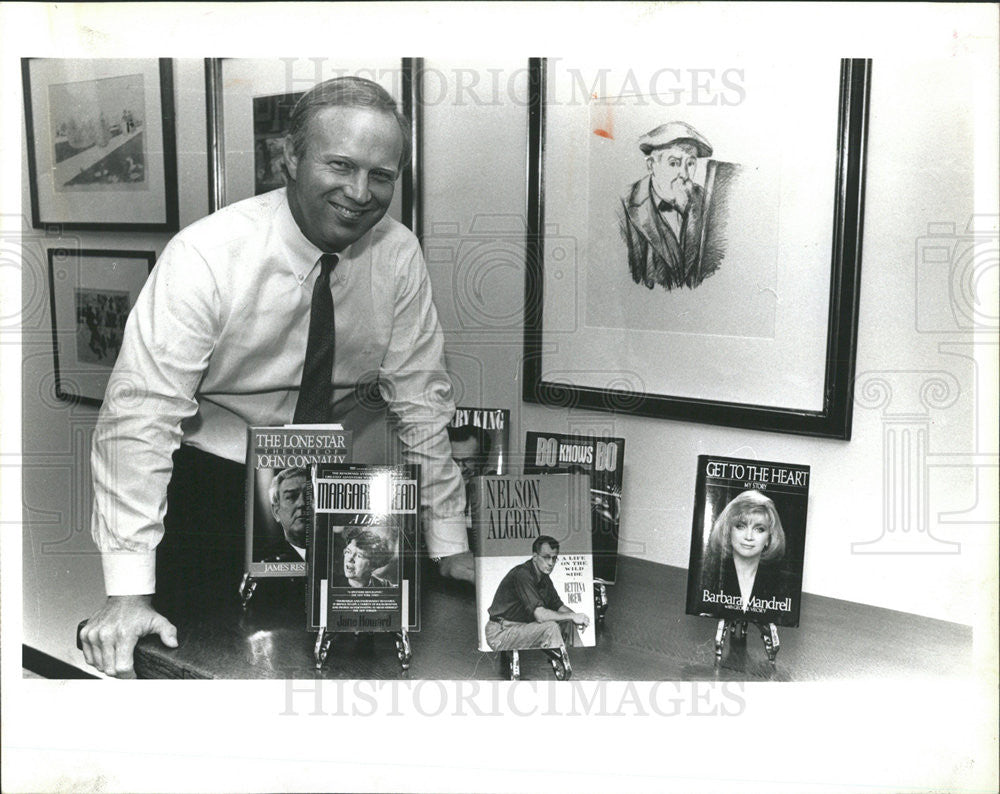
(278, 493)
(603, 459)
(748, 540)
(363, 572)
(508, 514)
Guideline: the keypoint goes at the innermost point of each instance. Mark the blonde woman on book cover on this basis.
(745, 547)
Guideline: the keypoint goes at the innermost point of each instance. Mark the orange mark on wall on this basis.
(607, 128)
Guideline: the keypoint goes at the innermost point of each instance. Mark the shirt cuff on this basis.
(447, 536)
(129, 572)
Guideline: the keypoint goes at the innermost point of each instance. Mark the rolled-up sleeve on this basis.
(415, 384)
(169, 338)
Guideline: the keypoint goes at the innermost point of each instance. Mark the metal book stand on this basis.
(600, 601)
(510, 664)
(737, 630)
(248, 586)
(324, 639)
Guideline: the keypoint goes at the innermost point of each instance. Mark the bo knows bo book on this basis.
(604, 459)
(508, 514)
(362, 551)
(747, 540)
(277, 493)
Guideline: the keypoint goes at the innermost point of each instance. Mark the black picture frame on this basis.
(158, 209)
(833, 420)
(91, 292)
(409, 210)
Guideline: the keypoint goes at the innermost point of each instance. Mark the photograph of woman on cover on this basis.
(369, 557)
(743, 575)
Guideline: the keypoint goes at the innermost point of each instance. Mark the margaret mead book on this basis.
(603, 459)
(278, 509)
(363, 573)
(748, 540)
(509, 513)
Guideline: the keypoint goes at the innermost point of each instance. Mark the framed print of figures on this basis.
(694, 243)
(91, 293)
(101, 143)
(250, 103)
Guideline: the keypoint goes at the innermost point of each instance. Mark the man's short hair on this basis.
(356, 92)
(280, 477)
(375, 547)
(541, 540)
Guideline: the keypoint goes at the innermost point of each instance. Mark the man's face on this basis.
(342, 183)
(545, 558)
(673, 171)
(356, 563)
(466, 456)
(291, 511)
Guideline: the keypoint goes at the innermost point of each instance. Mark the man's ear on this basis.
(291, 158)
(649, 163)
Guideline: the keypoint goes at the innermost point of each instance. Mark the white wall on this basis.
(920, 171)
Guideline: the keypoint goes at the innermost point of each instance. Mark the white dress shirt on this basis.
(216, 342)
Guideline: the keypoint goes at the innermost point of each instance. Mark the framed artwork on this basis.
(91, 293)
(101, 143)
(694, 240)
(250, 103)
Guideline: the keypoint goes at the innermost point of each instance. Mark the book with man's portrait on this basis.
(510, 515)
(748, 540)
(278, 493)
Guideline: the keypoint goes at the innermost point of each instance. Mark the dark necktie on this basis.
(317, 372)
(665, 205)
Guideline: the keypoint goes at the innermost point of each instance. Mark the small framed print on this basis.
(91, 294)
(101, 143)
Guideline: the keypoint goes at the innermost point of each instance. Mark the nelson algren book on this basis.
(748, 540)
(363, 572)
(508, 514)
(278, 495)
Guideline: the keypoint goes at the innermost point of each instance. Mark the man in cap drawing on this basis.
(661, 216)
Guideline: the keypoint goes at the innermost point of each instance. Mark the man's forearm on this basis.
(542, 614)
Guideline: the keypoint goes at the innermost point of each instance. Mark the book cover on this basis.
(363, 573)
(480, 444)
(509, 514)
(277, 493)
(748, 540)
(603, 459)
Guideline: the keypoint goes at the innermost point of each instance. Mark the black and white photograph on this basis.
(325, 327)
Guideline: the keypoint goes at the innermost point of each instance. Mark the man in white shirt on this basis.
(218, 339)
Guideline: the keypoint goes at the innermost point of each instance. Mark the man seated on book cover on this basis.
(294, 306)
(660, 219)
(526, 611)
(289, 508)
(365, 553)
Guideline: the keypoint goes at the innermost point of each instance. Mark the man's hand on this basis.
(459, 566)
(109, 637)
(580, 619)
